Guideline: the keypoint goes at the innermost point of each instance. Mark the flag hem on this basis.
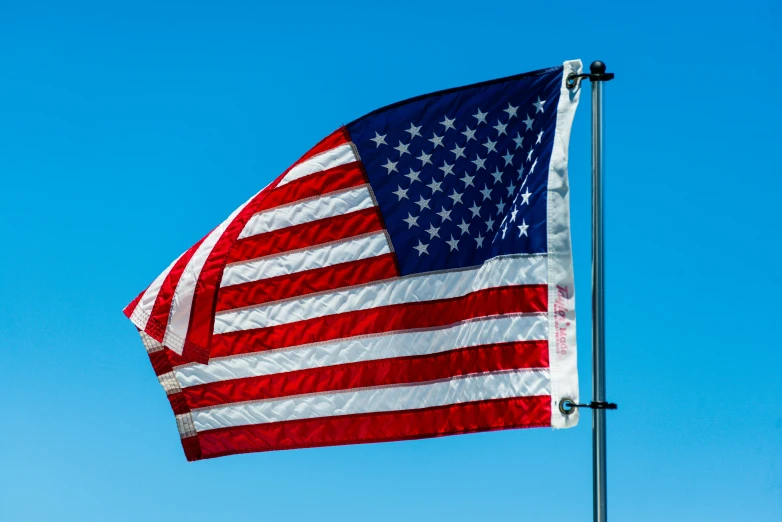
(561, 291)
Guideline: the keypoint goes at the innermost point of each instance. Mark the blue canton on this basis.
(460, 176)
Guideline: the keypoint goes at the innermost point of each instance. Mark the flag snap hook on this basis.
(573, 80)
(567, 406)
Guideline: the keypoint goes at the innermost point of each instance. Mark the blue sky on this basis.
(128, 131)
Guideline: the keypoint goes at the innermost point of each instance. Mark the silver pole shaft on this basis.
(598, 310)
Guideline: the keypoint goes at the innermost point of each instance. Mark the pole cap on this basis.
(597, 67)
(599, 74)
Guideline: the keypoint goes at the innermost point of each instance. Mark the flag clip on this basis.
(567, 406)
(573, 79)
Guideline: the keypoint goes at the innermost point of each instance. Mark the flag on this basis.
(410, 276)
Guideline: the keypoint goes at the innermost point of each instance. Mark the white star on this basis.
(525, 197)
(532, 168)
(500, 207)
(446, 168)
(379, 140)
(413, 175)
(391, 166)
(413, 130)
(523, 228)
(401, 193)
(421, 248)
(539, 136)
(453, 243)
(479, 162)
(424, 158)
(511, 110)
(464, 226)
(480, 116)
(467, 179)
(435, 186)
(445, 215)
(529, 155)
(539, 105)
(497, 175)
(490, 146)
(518, 139)
(459, 152)
(511, 188)
(479, 240)
(500, 128)
(504, 229)
(469, 133)
(513, 214)
(508, 157)
(489, 224)
(486, 192)
(437, 140)
(520, 170)
(433, 231)
(402, 148)
(448, 124)
(423, 203)
(528, 122)
(456, 197)
(411, 221)
(475, 209)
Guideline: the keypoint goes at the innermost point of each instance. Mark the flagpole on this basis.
(598, 76)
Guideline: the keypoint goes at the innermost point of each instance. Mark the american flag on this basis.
(410, 276)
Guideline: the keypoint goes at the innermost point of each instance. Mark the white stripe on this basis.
(496, 272)
(320, 162)
(184, 423)
(329, 205)
(500, 385)
(182, 301)
(150, 344)
(169, 383)
(370, 348)
(140, 315)
(351, 249)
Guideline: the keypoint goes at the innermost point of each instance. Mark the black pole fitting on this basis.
(597, 74)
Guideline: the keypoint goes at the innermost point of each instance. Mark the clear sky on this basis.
(129, 131)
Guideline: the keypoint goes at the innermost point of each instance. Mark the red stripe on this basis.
(338, 178)
(307, 235)
(462, 361)
(426, 314)
(162, 307)
(178, 403)
(521, 412)
(199, 332)
(359, 272)
(160, 362)
(192, 448)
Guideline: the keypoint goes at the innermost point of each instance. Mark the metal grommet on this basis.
(567, 406)
(571, 82)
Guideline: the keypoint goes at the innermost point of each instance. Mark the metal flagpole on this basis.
(598, 76)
